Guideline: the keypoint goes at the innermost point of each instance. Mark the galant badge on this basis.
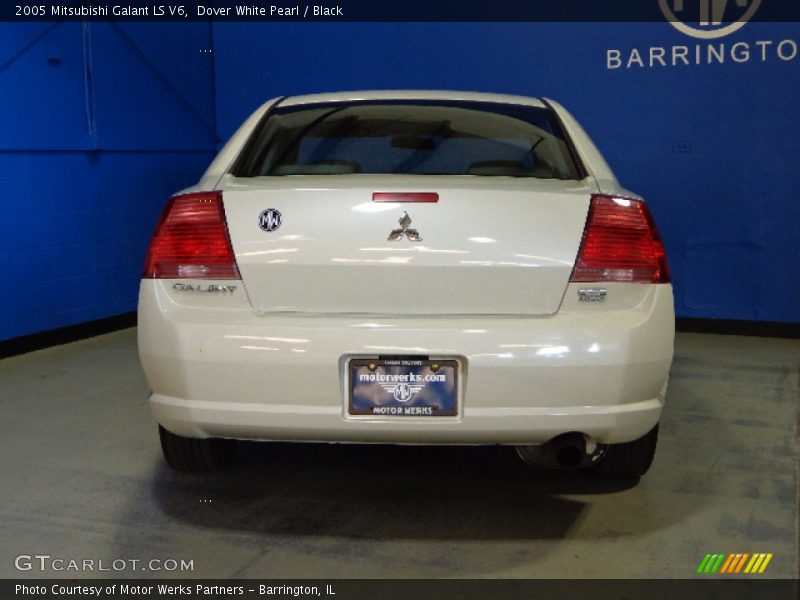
(412, 235)
(592, 294)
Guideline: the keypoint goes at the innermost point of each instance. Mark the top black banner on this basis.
(710, 14)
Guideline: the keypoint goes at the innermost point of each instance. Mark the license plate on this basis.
(403, 387)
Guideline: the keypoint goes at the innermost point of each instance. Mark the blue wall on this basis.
(100, 123)
(713, 148)
(98, 126)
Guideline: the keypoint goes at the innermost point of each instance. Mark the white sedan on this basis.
(409, 267)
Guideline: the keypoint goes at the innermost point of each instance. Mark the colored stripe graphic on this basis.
(717, 563)
(734, 562)
(739, 562)
(754, 563)
(725, 568)
(758, 564)
(765, 563)
(703, 563)
(710, 563)
(731, 564)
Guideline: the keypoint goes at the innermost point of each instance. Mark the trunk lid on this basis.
(490, 245)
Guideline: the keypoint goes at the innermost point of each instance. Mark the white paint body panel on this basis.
(491, 245)
(219, 369)
(488, 285)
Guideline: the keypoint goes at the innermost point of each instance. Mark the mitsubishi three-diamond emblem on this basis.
(412, 235)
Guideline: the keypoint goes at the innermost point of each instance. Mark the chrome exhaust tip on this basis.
(571, 450)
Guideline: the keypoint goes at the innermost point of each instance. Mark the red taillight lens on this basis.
(191, 241)
(620, 243)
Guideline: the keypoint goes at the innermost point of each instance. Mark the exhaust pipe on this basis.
(565, 451)
(568, 449)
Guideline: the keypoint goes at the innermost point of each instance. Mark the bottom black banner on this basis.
(389, 589)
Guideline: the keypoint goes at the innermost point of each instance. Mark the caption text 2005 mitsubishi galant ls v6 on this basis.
(409, 267)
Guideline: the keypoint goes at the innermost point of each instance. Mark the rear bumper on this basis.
(224, 371)
(607, 424)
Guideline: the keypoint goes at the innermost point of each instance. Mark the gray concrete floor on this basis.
(81, 476)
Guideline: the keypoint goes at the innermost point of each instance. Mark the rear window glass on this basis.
(403, 137)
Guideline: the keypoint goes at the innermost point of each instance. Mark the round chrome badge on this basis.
(270, 219)
(402, 392)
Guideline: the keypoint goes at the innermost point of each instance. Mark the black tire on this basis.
(628, 460)
(195, 455)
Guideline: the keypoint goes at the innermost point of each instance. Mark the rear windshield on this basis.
(409, 137)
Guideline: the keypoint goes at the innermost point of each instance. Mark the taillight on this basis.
(191, 241)
(620, 243)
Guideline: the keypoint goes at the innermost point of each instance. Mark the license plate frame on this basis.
(403, 388)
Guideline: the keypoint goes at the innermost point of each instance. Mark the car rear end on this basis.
(414, 269)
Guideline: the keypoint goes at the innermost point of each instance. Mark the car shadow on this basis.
(381, 492)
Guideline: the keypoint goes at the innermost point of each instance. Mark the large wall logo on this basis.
(714, 18)
(710, 23)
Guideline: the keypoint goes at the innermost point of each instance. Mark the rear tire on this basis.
(195, 455)
(629, 460)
